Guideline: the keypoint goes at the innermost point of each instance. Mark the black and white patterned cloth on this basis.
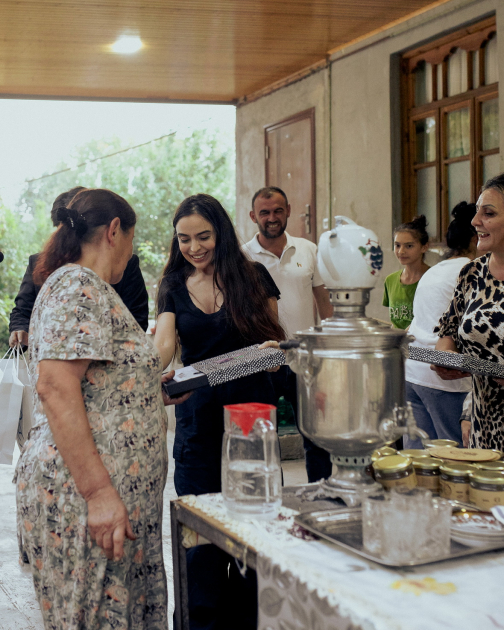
(233, 365)
(475, 320)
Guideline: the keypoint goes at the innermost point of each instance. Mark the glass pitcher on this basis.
(251, 476)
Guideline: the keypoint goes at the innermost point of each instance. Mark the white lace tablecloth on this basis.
(307, 584)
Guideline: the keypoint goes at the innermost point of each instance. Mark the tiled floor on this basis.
(18, 606)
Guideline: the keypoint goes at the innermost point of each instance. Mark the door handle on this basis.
(306, 216)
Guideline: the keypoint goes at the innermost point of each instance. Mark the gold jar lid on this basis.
(490, 465)
(392, 463)
(438, 442)
(499, 453)
(427, 463)
(493, 477)
(457, 468)
(415, 452)
(386, 451)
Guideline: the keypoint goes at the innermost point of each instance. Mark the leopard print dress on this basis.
(475, 320)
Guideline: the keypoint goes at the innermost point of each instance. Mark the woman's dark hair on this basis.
(63, 201)
(87, 211)
(245, 298)
(460, 231)
(417, 227)
(497, 183)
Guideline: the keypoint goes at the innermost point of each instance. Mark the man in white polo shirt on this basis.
(292, 263)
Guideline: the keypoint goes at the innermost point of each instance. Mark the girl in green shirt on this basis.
(411, 241)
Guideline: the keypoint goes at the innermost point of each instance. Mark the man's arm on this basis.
(132, 291)
(19, 323)
(324, 306)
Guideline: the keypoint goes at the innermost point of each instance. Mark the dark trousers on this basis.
(318, 460)
(220, 598)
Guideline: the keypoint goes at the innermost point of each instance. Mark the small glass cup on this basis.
(404, 524)
(437, 542)
(372, 523)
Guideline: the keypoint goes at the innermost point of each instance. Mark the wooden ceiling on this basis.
(194, 50)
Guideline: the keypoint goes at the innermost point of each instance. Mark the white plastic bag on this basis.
(11, 396)
(26, 417)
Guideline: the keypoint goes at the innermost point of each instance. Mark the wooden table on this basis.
(184, 517)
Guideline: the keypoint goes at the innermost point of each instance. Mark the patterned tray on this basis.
(224, 368)
(463, 362)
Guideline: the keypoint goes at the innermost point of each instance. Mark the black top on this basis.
(131, 289)
(202, 335)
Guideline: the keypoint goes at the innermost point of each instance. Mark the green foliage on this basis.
(154, 178)
(20, 236)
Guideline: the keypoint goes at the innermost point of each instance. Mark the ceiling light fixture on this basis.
(127, 44)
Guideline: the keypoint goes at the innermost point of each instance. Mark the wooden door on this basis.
(290, 165)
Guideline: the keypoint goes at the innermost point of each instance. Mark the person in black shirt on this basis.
(213, 300)
(131, 289)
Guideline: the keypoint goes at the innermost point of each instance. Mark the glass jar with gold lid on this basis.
(486, 488)
(428, 473)
(499, 465)
(454, 480)
(386, 451)
(415, 452)
(395, 471)
(439, 442)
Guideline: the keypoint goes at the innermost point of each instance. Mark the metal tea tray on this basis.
(343, 527)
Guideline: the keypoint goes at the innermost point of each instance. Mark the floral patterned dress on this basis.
(79, 316)
(475, 320)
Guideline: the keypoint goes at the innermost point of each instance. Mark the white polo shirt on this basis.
(295, 274)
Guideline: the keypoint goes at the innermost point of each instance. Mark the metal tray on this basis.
(343, 527)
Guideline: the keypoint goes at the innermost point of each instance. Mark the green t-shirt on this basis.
(399, 298)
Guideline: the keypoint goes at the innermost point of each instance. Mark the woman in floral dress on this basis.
(91, 476)
(474, 322)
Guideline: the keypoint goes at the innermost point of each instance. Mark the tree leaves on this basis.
(154, 178)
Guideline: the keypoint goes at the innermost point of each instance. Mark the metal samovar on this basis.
(350, 368)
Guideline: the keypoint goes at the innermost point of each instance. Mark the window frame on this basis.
(469, 39)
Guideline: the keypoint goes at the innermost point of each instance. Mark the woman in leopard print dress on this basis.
(474, 322)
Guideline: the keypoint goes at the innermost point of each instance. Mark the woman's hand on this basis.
(108, 521)
(271, 344)
(178, 399)
(447, 344)
(18, 338)
(465, 426)
(448, 374)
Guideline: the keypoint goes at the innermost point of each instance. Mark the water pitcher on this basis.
(251, 477)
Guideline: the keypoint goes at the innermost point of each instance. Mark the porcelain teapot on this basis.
(349, 256)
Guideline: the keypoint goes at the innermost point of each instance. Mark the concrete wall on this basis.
(360, 172)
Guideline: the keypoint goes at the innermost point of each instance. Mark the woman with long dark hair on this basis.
(211, 300)
(91, 475)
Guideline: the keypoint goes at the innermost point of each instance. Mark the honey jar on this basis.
(490, 465)
(414, 452)
(454, 481)
(386, 451)
(427, 470)
(486, 488)
(439, 442)
(395, 471)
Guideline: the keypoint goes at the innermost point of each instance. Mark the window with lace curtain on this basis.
(450, 123)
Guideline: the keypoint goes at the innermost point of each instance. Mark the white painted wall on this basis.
(251, 120)
(360, 171)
